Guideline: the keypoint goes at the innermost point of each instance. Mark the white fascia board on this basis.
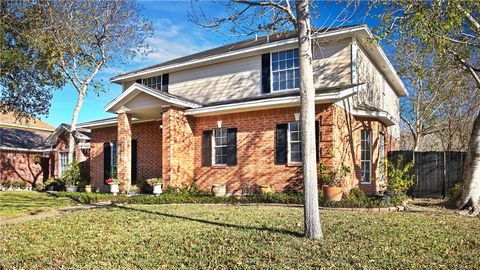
(383, 116)
(233, 54)
(264, 104)
(112, 123)
(15, 126)
(24, 149)
(123, 98)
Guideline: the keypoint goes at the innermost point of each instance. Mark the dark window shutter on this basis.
(139, 81)
(107, 161)
(281, 144)
(134, 162)
(165, 79)
(207, 148)
(317, 139)
(232, 146)
(266, 73)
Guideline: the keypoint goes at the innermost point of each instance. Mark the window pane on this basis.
(283, 65)
(296, 147)
(290, 63)
(276, 86)
(274, 66)
(275, 77)
(296, 157)
(274, 57)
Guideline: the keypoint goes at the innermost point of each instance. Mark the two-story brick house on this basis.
(230, 115)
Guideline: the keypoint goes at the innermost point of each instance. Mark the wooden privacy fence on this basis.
(435, 172)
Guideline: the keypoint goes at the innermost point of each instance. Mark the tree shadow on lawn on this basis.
(204, 221)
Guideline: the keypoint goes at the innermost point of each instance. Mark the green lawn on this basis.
(239, 237)
(19, 203)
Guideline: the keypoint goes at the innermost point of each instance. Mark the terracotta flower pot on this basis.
(88, 189)
(332, 193)
(219, 190)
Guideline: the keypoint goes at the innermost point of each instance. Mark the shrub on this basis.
(7, 184)
(84, 198)
(357, 194)
(72, 176)
(19, 184)
(335, 178)
(400, 179)
(39, 187)
(454, 190)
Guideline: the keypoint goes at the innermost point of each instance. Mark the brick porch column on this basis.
(177, 148)
(124, 147)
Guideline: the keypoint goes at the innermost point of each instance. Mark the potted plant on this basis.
(88, 188)
(332, 183)
(156, 183)
(114, 183)
(71, 177)
(7, 184)
(219, 190)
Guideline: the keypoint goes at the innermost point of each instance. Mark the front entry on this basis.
(134, 162)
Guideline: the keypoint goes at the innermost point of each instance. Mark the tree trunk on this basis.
(471, 172)
(313, 229)
(73, 125)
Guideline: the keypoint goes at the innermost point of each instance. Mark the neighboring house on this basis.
(24, 155)
(230, 115)
(59, 143)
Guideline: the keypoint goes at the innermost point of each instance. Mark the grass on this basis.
(239, 237)
(19, 203)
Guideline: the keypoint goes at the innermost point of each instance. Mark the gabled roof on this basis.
(11, 138)
(80, 133)
(9, 120)
(137, 88)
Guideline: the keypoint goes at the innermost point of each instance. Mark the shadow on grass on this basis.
(209, 222)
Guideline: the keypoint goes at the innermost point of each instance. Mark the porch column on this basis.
(124, 144)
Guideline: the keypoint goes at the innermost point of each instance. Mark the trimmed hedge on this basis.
(83, 197)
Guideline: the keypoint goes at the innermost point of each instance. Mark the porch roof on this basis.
(143, 100)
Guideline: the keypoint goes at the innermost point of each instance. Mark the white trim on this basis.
(141, 88)
(354, 60)
(8, 125)
(261, 104)
(383, 116)
(110, 123)
(13, 149)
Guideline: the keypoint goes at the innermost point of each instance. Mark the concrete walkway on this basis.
(52, 213)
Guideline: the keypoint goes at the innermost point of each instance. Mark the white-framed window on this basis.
(366, 156)
(154, 82)
(294, 142)
(381, 157)
(285, 70)
(63, 163)
(113, 158)
(219, 144)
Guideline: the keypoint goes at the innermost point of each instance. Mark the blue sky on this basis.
(174, 36)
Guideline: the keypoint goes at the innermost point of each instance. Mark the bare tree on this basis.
(87, 36)
(452, 29)
(248, 17)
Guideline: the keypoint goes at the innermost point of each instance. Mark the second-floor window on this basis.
(285, 70)
(156, 83)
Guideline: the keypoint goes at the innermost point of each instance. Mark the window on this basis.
(366, 153)
(294, 142)
(155, 83)
(63, 163)
(381, 158)
(220, 144)
(113, 159)
(285, 70)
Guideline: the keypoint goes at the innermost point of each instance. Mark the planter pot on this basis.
(264, 189)
(332, 193)
(88, 189)
(219, 190)
(157, 189)
(71, 188)
(114, 189)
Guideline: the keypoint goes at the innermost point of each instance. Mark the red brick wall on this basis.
(255, 150)
(16, 165)
(149, 151)
(178, 163)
